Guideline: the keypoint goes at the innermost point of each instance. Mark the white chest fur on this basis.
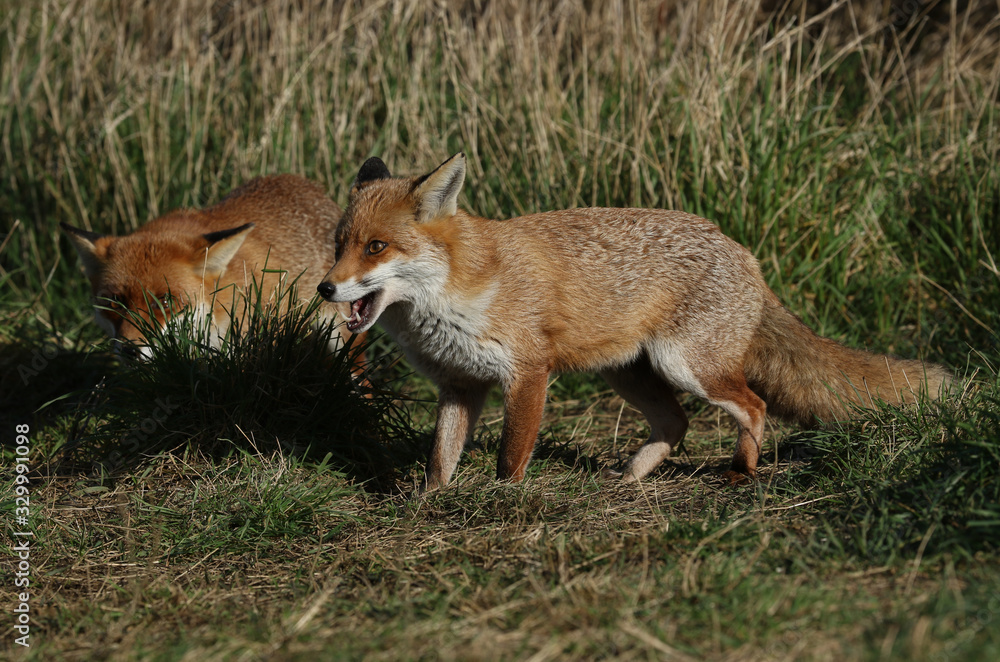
(449, 338)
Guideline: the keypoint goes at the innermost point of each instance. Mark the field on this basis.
(249, 504)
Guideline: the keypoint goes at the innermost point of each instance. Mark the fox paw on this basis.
(607, 473)
(736, 479)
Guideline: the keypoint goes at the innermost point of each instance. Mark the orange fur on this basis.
(656, 301)
(208, 258)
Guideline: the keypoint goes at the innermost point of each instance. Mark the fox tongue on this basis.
(359, 312)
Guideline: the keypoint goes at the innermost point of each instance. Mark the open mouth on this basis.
(362, 311)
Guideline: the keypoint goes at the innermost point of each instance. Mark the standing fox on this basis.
(655, 301)
(269, 231)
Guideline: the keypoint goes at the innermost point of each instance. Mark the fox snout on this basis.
(327, 290)
(131, 351)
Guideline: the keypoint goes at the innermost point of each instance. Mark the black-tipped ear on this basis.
(437, 193)
(82, 234)
(222, 247)
(372, 169)
(216, 237)
(85, 243)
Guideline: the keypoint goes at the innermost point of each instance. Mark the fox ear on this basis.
(372, 169)
(85, 243)
(222, 247)
(437, 193)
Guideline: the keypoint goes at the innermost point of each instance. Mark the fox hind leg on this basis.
(725, 388)
(641, 387)
(735, 398)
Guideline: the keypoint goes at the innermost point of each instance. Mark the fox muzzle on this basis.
(326, 290)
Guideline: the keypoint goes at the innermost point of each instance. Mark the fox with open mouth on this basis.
(655, 301)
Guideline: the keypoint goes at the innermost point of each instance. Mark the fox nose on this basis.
(125, 349)
(326, 290)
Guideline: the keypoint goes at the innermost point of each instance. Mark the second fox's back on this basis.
(292, 216)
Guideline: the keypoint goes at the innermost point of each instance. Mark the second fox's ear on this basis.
(437, 193)
(222, 247)
(87, 247)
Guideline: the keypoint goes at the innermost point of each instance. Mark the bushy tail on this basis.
(803, 377)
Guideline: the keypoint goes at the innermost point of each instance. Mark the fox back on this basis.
(271, 231)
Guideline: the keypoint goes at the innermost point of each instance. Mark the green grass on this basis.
(247, 503)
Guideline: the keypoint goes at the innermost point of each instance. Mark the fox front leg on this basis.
(524, 401)
(458, 410)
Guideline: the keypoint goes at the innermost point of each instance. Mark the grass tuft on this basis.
(911, 480)
(278, 381)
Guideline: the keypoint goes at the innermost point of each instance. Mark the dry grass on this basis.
(797, 131)
(196, 559)
(563, 566)
(316, 87)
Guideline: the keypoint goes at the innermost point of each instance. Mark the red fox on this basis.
(655, 301)
(196, 260)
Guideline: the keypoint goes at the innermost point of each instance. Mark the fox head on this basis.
(393, 239)
(151, 275)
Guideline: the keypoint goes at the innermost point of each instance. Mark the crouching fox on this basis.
(267, 233)
(655, 301)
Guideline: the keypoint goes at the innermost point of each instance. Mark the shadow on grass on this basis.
(40, 381)
(312, 409)
(275, 387)
(549, 447)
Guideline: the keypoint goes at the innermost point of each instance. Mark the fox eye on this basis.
(112, 300)
(375, 246)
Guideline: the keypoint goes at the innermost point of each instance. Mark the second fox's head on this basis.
(146, 278)
(394, 240)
